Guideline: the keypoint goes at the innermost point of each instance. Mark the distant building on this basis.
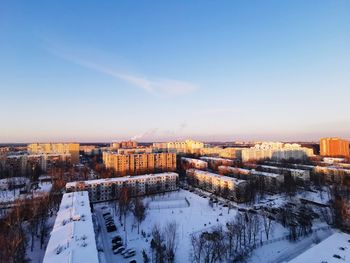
(90, 149)
(28, 164)
(123, 145)
(228, 187)
(110, 189)
(56, 148)
(188, 146)
(334, 147)
(73, 237)
(133, 164)
(276, 151)
(187, 163)
(228, 152)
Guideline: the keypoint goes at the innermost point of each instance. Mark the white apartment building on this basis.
(187, 146)
(109, 189)
(297, 174)
(272, 181)
(276, 151)
(228, 187)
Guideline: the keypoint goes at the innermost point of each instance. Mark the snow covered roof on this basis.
(193, 160)
(254, 172)
(123, 179)
(207, 158)
(234, 169)
(73, 238)
(281, 168)
(333, 168)
(334, 249)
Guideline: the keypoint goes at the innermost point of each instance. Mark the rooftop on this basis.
(72, 238)
(334, 249)
(123, 179)
(214, 158)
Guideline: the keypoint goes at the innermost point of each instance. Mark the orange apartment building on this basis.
(334, 147)
(135, 164)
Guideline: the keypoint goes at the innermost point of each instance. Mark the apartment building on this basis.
(334, 147)
(228, 187)
(26, 164)
(110, 189)
(133, 164)
(56, 148)
(276, 151)
(123, 145)
(228, 152)
(333, 174)
(215, 162)
(73, 237)
(187, 163)
(272, 181)
(188, 146)
(297, 174)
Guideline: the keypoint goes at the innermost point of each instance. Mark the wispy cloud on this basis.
(219, 110)
(150, 85)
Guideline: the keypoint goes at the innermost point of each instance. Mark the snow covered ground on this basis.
(198, 216)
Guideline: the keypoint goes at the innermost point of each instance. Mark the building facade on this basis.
(29, 164)
(228, 187)
(187, 163)
(123, 145)
(334, 147)
(215, 162)
(133, 164)
(110, 189)
(56, 148)
(188, 146)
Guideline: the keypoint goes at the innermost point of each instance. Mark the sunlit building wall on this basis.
(334, 147)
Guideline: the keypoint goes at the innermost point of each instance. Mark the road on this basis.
(104, 237)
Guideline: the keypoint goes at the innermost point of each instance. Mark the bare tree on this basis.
(170, 233)
(267, 223)
(124, 204)
(157, 244)
(140, 211)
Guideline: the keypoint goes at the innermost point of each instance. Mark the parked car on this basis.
(117, 238)
(118, 250)
(128, 250)
(115, 246)
(130, 254)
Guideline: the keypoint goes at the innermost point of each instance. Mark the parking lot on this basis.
(111, 244)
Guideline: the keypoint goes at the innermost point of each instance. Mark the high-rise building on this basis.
(133, 164)
(56, 148)
(334, 147)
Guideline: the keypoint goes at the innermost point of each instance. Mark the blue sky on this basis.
(161, 70)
